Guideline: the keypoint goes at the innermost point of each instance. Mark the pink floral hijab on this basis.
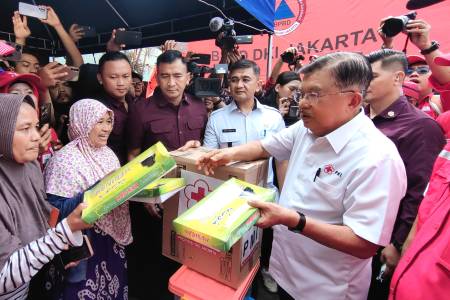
(79, 165)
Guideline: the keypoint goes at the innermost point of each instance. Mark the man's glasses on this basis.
(314, 97)
(420, 70)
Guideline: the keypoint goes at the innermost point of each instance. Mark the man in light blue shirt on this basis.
(245, 119)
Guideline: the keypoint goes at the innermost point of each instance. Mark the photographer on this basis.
(294, 62)
(422, 69)
(283, 96)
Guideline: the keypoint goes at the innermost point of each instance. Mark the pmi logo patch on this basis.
(289, 14)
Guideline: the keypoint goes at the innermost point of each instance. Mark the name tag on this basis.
(228, 130)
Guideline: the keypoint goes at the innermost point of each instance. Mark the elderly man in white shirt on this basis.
(343, 185)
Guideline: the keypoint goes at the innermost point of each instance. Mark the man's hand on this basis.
(45, 139)
(419, 31)
(155, 210)
(74, 219)
(76, 33)
(213, 159)
(274, 214)
(233, 56)
(387, 41)
(51, 73)
(390, 256)
(111, 45)
(52, 18)
(190, 144)
(21, 29)
(168, 45)
(283, 107)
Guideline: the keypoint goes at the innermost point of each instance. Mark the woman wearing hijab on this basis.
(75, 168)
(27, 242)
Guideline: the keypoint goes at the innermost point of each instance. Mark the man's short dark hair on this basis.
(111, 56)
(388, 57)
(136, 75)
(245, 64)
(169, 56)
(347, 68)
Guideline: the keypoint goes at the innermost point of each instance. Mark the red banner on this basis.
(317, 27)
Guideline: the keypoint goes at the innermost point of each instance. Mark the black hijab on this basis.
(24, 210)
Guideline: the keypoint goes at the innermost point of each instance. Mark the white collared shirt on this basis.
(229, 127)
(360, 184)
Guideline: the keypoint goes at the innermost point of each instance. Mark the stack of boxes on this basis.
(227, 261)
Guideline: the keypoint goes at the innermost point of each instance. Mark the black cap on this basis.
(416, 4)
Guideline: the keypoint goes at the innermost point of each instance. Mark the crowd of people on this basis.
(358, 157)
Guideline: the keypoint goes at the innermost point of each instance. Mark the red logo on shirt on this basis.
(329, 169)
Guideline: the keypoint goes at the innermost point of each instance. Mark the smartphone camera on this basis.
(294, 107)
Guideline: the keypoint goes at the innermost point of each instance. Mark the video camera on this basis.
(227, 37)
(205, 87)
(291, 58)
(395, 25)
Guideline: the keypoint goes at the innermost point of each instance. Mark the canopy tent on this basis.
(180, 20)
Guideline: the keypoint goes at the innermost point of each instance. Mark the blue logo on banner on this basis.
(283, 11)
(263, 10)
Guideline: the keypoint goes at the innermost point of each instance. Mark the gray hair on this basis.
(347, 68)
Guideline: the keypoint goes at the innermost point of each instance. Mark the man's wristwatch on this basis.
(300, 225)
(434, 46)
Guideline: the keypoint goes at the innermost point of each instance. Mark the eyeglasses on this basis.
(420, 70)
(314, 97)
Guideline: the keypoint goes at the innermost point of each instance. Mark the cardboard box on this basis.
(124, 183)
(231, 267)
(221, 218)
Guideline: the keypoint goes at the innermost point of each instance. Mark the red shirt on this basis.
(154, 119)
(425, 106)
(444, 90)
(424, 270)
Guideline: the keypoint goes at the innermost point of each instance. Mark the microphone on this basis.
(215, 24)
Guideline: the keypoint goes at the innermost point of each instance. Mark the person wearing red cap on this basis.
(14, 83)
(419, 33)
(419, 72)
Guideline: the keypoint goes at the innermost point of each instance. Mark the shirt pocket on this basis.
(195, 124)
(160, 127)
(330, 194)
(194, 129)
(228, 139)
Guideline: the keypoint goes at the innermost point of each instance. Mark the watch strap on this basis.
(434, 46)
(300, 225)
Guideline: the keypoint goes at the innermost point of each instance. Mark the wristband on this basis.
(434, 46)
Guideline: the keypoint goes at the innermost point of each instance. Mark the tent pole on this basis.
(269, 55)
(117, 13)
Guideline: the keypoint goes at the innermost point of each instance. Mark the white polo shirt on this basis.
(360, 184)
(229, 127)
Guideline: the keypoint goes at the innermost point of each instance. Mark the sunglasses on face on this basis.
(420, 70)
